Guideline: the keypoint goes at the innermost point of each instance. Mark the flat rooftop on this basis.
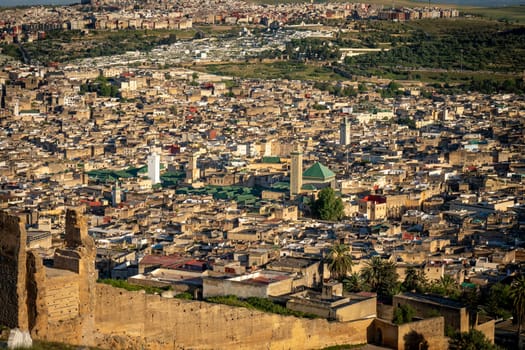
(291, 262)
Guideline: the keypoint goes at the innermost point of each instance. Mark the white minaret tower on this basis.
(154, 168)
(296, 171)
(116, 194)
(16, 109)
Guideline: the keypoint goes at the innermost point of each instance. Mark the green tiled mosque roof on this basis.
(318, 171)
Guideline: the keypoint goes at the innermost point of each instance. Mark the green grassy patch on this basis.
(184, 295)
(276, 70)
(261, 304)
(510, 13)
(132, 287)
(452, 26)
(105, 175)
(171, 179)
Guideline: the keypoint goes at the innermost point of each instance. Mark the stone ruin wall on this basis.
(66, 311)
(13, 296)
(58, 307)
(135, 320)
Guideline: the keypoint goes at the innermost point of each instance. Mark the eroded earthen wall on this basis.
(35, 289)
(128, 320)
(13, 308)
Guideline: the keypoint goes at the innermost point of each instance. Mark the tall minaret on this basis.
(344, 132)
(192, 172)
(296, 171)
(116, 194)
(154, 168)
(16, 111)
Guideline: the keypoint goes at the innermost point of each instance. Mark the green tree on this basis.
(517, 293)
(446, 286)
(403, 314)
(381, 277)
(414, 280)
(328, 206)
(353, 283)
(339, 261)
(498, 301)
(473, 340)
(105, 90)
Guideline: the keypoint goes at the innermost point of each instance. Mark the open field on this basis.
(449, 77)
(274, 70)
(511, 13)
(449, 27)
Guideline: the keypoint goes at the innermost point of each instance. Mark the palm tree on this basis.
(371, 273)
(448, 285)
(353, 283)
(517, 293)
(414, 280)
(339, 261)
(381, 277)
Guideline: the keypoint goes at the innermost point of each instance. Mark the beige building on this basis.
(260, 284)
(334, 307)
(374, 207)
(455, 314)
(296, 171)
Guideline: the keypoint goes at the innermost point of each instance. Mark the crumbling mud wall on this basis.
(134, 320)
(13, 296)
(65, 300)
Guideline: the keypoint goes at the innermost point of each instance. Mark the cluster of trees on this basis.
(335, 89)
(11, 50)
(391, 90)
(471, 340)
(101, 86)
(57, 46)
(490, 86)
(469, 48)
(378, 275)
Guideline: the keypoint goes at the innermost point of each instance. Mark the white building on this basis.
(154, 168)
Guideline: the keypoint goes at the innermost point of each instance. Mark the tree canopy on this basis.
(339, 261)
(414, 280)
(473, 340)
(403, 314)
(328, 206)
(381, 277)
(517, 293)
